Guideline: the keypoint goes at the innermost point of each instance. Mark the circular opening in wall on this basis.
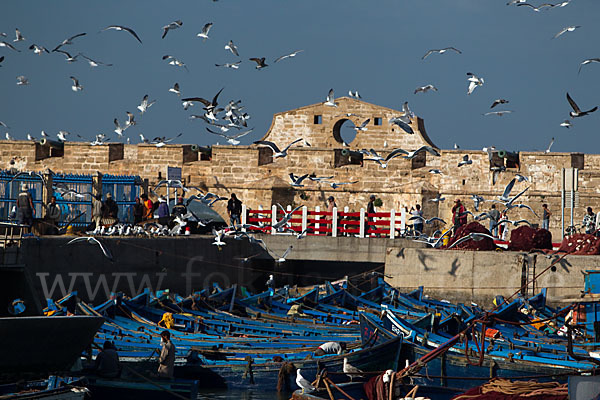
(344, 131)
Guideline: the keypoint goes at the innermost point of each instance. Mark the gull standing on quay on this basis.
(125, 29)
(355, 95)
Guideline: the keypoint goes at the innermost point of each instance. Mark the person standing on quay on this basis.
(97, 210)
(148, 207)
(330, 206)
(418, 224)
(166, 361)
(546, 217)
(589, 221)
(494, 218)
(53, 216)
(458, 215)
(138, 211)
(25, 210)
(371, 210)
(234, 209)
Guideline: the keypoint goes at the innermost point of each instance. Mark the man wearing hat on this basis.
(458, 215)
(25, 210)
(110, 209)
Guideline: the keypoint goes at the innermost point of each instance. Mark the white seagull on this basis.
(566, 124)
(145, 104)
(498, 101)
(288, 56)
(92, 240)
(76, 86)
(549, 146)
(22, 80)
(355, 95)
(68, 56)
(425, 89)
(576, 110)
(68, 41)
(351, 370)
(440, 51)
(474, 81)
(276, 152)
(175, 89)
(232, 47)
(330, 101)
(125, 29)
(205, 30)
(62, 135)
(297, 180)
(588, 61)
(260, 62)
(94, 63)
(566, 29)
(231, 139)
(234, 65)
(39, 50)
(363, 126)
(10, 46)
(303, 383)
(498, 113)
(465, 161)
(18, 36)
(8, 137)
(173, 25)
(173, 61)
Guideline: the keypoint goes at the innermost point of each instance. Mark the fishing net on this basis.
(526, 238)
(503, 389)
(472, 227)
(580, 244)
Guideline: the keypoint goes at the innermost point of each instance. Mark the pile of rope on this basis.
(580, 244)
(504, 389)
(526, 238)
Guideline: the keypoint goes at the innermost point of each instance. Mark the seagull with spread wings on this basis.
(441, 51)
(68, 56)
(94, 241)
(205, 29)
(68, 41)
(474, 81)
(232, 139)
(260, 62)
(124, 29)
(412, 154)
(175, 89)
(293, 54)
(145, 104)
(297, 180)
(330, 100)
(498, 113)
(475, 236)
(233, 48)
(499, 101)
(8, 45)
(234, 65)
(160, 141)
(576, 110)
(276, 152)
(76, 86)
(465, 161)
(566, 29)
(588, 61)
(94, 63)
(173, 25)
(363, 126)
(18, 36)
(425, 89)
(173, 61)
(39, 50)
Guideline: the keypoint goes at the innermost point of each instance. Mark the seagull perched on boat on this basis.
(499, 101)
(425, 89)
(330, 100)
(351, 370)
(588, 61)
(69, 41)
(231, 139)
(22, 80)
(471, 236)
(94, 241)
(235, 65)
(276, 152)
(175, 89)
(39, 50)
(145, 104)
(173, 25)
(566, 29)
(76, 86)
(205, 30)
(303, 383)
(498, 113)
(441, 51)
(260, 62)
(232, 47)
(576, 110)
(125, 29)
(355, 95)
(474, 81)
(297, 180)
(465, 161)
(293, 54)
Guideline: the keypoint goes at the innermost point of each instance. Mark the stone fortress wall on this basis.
(257, 179)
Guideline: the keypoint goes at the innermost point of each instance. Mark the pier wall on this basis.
(478, 276)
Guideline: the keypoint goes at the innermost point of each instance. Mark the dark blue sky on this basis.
(374, 47)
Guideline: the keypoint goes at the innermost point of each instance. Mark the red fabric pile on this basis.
(472, 227)
(580, 244)
(527, 238)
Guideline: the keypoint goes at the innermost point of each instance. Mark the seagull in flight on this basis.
(425, 89)
(233, 48)
(549, 146)
(145, 104)
(437, 199)
(234, 65)
(440, 51)
(499, 101)
(94, 241)
(412, 154)
(76, 86)
(22, 80)
(1, 59)
(175, 89)
(18, 36)
(276, 152)
(232, 139)
(472, 236)
(260, 62)
(39, 50)
(173, 61)
(330, 100)
(566, 29)
(4, 125)
(427, 221)
(436, 171)
(576, 110)
(126, 29)
(10, 46)
(498, 113)
(68, 41)
(205, 30)
(281, 258)
(363, 126)
(588, 61)
(534, 8)
(69, 57)
(62, 135)
(297, 180)
(288, 56)
(566, 124)
(173, 25)
(335, 185)
(465, 161)
(474, 81)
(160, 141)
(403, 122)
(94, 63)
